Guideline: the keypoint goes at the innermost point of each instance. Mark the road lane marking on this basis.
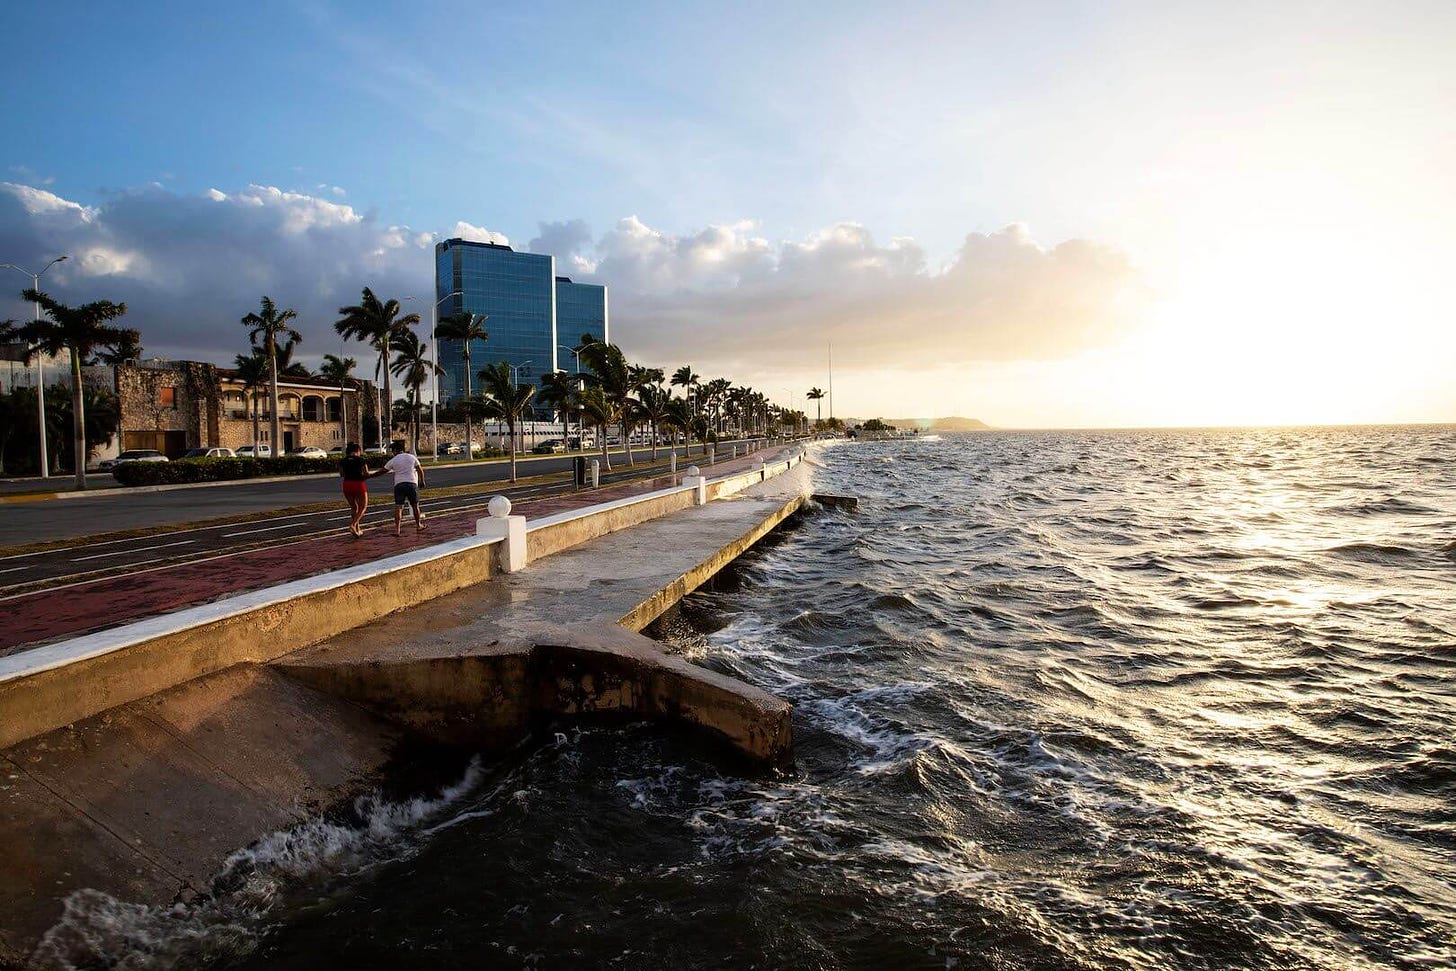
(141, 549)
(265, 529)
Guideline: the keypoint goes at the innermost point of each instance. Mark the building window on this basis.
(166, 397)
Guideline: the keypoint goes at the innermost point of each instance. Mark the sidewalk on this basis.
(30, 619)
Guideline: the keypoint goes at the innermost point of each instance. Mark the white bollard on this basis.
(596, 473)
(672, 466)
(698, 482)
(735, 451)
(500, 524)
(712, 454)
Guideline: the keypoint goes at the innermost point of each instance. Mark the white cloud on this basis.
(190, 266)
(723, 296)
(478, 234)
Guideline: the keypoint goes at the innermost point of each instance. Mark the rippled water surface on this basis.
(1062, 700)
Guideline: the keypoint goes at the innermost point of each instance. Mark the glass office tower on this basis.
(516, 291)
(581, 308)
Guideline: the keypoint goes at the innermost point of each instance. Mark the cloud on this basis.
(730, 298)
(570, 242)
(190, 266)
(479, 234)
(723, 297)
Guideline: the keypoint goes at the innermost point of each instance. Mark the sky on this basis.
(1035, 214)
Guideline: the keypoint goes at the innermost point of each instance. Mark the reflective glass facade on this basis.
(581, 308)
(515, 290)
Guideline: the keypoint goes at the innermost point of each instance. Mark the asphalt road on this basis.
(25, 523)
(66, 518)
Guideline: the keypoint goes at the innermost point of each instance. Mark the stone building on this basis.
(172, 406)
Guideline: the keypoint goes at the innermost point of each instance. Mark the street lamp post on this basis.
(45, 470)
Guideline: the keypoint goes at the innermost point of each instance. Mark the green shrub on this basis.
(218, 469)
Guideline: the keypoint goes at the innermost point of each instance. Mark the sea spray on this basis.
(223, 924)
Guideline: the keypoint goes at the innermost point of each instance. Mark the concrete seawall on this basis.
(137, 759)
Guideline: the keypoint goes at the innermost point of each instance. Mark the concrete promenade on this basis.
(268, 720)
(34, 618)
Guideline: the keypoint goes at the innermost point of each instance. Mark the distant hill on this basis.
(932, 424)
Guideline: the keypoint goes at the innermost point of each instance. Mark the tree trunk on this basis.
(469, 431)
(78, 423)
(389, 401)
(606, 454)
(627, 442)
(652, 430)
(253, 398)
(511, 429)
(276, 441)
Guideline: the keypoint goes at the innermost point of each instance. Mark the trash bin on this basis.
(580, 468)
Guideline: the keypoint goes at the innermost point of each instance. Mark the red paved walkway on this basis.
(96, 605)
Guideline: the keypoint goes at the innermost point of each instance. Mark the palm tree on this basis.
(412, 364)
(684, 378)
(271, 324)
(715, 392)
(594, 407)
(816, 395)
(505, 400)
(609, 371)
(678, 415)
(340, 371)
(287, 366)
(378, 324)
(81, 330)
(464, 328)
(126, 350)
(559, 390)
(653, 405)
(253, 373)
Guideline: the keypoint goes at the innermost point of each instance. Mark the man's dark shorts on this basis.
(407, 494)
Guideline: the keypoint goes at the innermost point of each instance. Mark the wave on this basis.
(224, 924)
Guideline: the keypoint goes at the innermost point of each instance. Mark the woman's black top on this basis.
(354, 468)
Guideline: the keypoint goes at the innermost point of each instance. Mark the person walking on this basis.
(408, 477)
(355, 470)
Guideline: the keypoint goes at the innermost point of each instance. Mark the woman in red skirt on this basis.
(355, 471)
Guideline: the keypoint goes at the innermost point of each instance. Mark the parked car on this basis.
(585, 441)
(550, 446)
(208, 453)
(337, 450)
(376, 450)
(310, 452)
(133, 455)
(452, 448)
(264, 452)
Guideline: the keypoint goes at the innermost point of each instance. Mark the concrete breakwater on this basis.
(139, 758)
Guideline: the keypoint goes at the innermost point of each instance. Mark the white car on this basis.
(209, 453)
(264, 452)
(310, 452)
(133, 455)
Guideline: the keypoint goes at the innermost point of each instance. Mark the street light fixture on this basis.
(45, 471)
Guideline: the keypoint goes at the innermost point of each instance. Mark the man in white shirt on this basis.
(408, 477)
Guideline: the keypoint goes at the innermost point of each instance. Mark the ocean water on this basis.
(1168, 699)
